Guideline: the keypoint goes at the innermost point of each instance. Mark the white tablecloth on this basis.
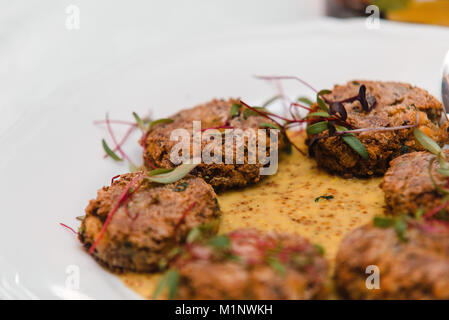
(39, 54)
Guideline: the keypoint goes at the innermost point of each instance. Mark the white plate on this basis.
(51, 162)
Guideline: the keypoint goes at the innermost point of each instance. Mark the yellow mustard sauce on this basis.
(285, 202)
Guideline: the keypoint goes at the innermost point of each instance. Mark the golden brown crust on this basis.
(397, 105)
(211, 114)
(143, 230)
(416, 269)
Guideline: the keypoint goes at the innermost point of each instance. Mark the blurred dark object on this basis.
(346, 8)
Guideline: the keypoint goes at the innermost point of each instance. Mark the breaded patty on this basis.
(212, 114)
(252, 266)
(396, 105)
(407, 184)
(412, 269)
(155, 219)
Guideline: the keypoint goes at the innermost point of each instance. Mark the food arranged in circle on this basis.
(356, 207)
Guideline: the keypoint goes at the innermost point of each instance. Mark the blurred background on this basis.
(46, 44)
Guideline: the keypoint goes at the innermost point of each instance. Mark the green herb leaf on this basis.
(443, 172)
(202, 231)
(249, 113)
(319, 248)
(356, 145)
(277, 265)
(317, 127)
(271, 100)
(288, 147)
(401, 227)
(442, 160)
(160, 286)
(322, 104)
(160, 121)
(159, 171)
(426, 142)
(329, 197)
(268, 125)
(320, 100)
(193, 235)
(235, 109)
(383, 222)
(318, 114)
(169, 280)
(323, 92)
(80, 218)
(419, 213)
(109, 151)
(305, 100)
(172, 282)
(441, 190)
(139, 121)
(220, 242)
(177, 174)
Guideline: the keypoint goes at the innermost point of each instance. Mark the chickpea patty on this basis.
(415, 268)
(213, 114)
(154, 219)
(397, 104)
(407, 184)
(246, 264)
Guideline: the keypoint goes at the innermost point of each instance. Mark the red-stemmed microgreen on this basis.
(119, 148)
(144, 124)
(287, 78)
(184, 215)
(271, 116)
(122, 199)
(114, 178)
(383, 129)
(68, 228)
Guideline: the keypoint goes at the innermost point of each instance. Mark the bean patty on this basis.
(252, 265)
(397, 104)
(155, 219)
(415, 268)
(213, 114)
(407, 184)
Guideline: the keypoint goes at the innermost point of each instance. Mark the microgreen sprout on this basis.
(324, 197)
(436, 150)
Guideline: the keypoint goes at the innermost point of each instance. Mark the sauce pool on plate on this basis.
(299, 199)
